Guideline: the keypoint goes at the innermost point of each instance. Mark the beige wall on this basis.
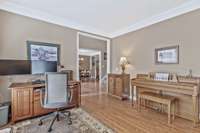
(95, 44)
(15, 30)
(139, 46)
(5, 81)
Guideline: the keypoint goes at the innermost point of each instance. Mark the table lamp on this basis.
(123, 62)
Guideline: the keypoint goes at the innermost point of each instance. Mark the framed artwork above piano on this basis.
(167, 55)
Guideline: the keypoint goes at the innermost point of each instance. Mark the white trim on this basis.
(51, 18)
(95, 37)
(47, 17)
(90, 63)
(77, 56)
(99, 54)
(99, 38)
(95, 66)
(100, 68)
(182, 9)
(108, 55)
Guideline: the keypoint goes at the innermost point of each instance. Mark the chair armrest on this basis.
(70, 95)
(41, 96)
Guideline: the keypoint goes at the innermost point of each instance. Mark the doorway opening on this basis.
(93, 63)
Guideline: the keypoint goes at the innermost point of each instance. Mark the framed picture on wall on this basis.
(167, 55)
(105, 55)
(93, 61)
(43, 51)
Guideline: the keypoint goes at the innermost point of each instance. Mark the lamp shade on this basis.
(123, 61)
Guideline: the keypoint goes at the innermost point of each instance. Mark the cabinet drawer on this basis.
(38, 109)
(36, 95)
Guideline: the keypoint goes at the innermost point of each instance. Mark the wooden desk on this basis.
(187, 93)
(25, 102)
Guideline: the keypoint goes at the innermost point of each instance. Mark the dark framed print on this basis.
(105, 55)
(167, 55)
(43, 51)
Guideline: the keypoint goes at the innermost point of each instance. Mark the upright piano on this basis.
(186, 89)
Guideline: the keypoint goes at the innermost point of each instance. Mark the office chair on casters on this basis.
(56, 96)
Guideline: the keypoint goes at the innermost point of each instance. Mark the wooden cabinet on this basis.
(119, 85)
(26, 100)
(37, 107)
(111, 84)
(22, 103)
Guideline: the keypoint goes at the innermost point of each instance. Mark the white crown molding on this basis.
(182, 9)
(46, 17)
(32, 13)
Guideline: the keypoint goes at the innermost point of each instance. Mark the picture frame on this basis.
(43, 51)
(105, 55)
(167, 55)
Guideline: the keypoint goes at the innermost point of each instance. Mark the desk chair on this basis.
(56, 97)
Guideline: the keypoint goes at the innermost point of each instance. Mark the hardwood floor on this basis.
(92, 87)
(123, 118)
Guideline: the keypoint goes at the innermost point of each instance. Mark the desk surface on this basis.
(31, 85)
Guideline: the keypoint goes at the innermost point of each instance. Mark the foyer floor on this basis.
(123, 118)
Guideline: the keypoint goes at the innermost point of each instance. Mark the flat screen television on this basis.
(14, 67)
(40, 67)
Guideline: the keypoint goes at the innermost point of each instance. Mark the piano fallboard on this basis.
(184, 88)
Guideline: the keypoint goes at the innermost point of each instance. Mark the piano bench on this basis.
(170, 101)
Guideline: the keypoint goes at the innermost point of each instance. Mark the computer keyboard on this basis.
(38, 82)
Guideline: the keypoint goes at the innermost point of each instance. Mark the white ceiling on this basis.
(108, 18)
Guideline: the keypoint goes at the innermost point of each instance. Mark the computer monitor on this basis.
(40, 67)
